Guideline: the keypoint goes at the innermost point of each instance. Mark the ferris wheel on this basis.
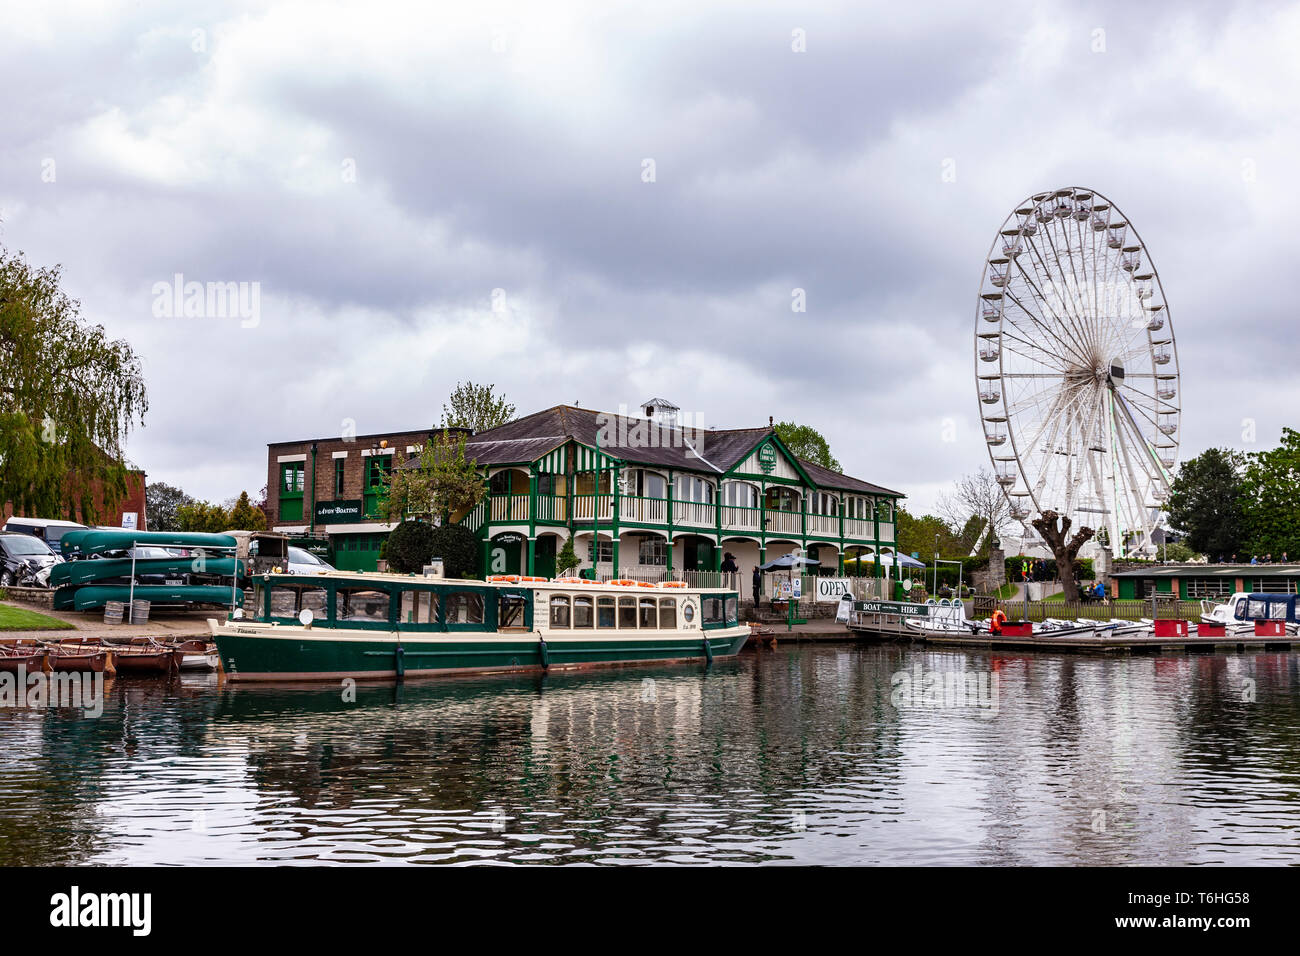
(1077, 369)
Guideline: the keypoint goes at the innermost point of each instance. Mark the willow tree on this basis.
(69, 395)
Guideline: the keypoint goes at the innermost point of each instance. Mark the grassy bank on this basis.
(21, 619)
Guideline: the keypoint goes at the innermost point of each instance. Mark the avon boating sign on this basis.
(892, 607)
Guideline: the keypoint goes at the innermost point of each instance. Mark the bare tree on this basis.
(976, 496)
(1064, 550)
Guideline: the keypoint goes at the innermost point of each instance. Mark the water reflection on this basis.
(800, 755)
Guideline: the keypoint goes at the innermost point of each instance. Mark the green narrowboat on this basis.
(337, 625)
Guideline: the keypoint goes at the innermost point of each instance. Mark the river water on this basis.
(807, 754)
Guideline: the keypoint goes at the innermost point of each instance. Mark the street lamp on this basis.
(936, 563)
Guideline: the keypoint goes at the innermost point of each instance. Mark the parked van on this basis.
(48, 530)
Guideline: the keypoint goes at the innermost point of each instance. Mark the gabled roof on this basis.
(640, 441)
(825, 478)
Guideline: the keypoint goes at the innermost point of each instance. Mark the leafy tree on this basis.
(1269, 489)
(245, 516)
(475, 406)
(69, 396)
(409, 547)
(161, 501)
(567, 558)
(1065, 549)
(918, 535)
(202, 516)
(1178, 551)
(806, 442)
(441, 483)
(459, 550)
(978, 497)
(1205, 502)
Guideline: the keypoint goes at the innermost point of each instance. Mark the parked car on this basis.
(302, 561)
(49, 530)
(25, 561)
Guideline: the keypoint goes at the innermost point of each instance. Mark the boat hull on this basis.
(296, 654)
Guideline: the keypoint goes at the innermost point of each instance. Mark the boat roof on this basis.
(392, 577)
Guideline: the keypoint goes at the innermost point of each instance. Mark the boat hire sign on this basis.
(830, 590)
(339, 512)
(892, 607)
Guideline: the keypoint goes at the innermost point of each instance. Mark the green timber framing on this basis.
(564, 486)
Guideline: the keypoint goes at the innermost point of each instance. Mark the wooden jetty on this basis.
(879, 626)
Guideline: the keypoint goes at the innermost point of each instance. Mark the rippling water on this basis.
(800, 755)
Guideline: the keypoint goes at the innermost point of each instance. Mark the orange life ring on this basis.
(645, 584)
(533, 578)
(673, 584)
(624, 583)
(509, 578)
(570, 581)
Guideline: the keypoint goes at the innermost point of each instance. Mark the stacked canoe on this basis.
(90, 575)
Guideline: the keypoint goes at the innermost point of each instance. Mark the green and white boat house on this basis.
(642, 496)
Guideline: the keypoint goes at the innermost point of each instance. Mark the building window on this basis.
(740, 494)
(857, 509)
(549, 484)
(339, 464)
(690, 488)
(648, 484)
(821, 503)
(292, 481)
(1210, 587)
(606, 552)
(783, 499)
(653, 551)
(886, 510)
(499, 484)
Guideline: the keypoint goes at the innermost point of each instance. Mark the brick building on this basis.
(131, 508)
(331, 486)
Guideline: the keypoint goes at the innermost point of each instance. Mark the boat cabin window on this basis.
(511, 611)
(713, 610)
(361, 604)
(464, 608)
(605, 612)
(648, 613)
(289, 600)
(732, 606)
(668, 613)
(419, 607)
(559, 611)
(627, 612)
(582, 616)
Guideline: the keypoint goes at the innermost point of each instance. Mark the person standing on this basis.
(758, 586)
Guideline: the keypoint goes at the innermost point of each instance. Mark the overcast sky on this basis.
(378, 170)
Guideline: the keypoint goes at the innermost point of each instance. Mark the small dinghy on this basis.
(28, 655)
(86, 655)
(144, 655)
(198, 656)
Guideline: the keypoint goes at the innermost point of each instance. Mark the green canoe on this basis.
(92, 569)
(94, 542)
(87, 598)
